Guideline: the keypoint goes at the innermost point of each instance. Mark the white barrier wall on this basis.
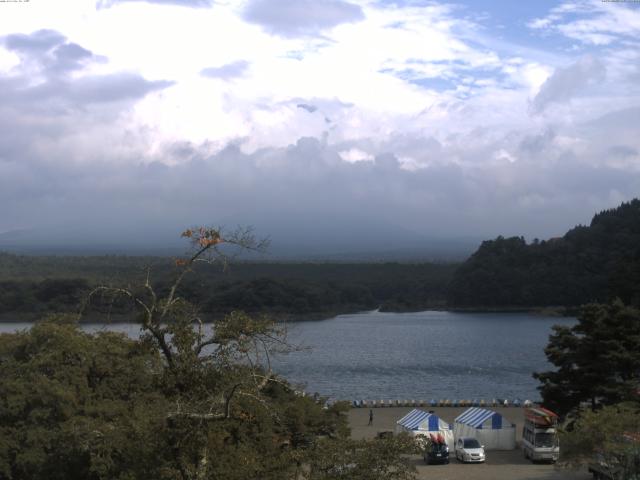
(490, 428)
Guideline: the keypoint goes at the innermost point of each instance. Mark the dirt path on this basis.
(500, 465)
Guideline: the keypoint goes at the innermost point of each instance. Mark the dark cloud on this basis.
(50, 52)
(179, 3)
(51, 55)
(626, 118)
(59, 96)
(112, 88)
(303, 194)
(301, 17)
(536, 144)
(623, 151)
(64, 118)
(307, 107)
(38, 42)
(312, 109)
(227, 71)
(71, 56)
(565, 83)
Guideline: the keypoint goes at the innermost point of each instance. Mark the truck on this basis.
(540, 435)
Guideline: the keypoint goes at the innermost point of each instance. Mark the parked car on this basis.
(436, 453)
(469, 450)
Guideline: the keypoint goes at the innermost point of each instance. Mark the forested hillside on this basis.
(31, 286)
(592, 263)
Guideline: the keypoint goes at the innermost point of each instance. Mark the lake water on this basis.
(425, 355)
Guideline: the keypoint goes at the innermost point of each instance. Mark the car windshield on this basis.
(545, 439)
(471, 443)
(439, 448)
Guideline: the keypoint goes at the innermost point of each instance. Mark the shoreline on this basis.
(552, 311)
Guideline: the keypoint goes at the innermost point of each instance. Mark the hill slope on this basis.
(590, 263)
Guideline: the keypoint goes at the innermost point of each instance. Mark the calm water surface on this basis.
(421, 355)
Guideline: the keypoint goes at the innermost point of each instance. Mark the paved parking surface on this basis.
(507, 465)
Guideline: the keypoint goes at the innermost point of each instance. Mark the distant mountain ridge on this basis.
(588, 264)
(371, 244)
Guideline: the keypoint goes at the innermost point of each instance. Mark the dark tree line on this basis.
(594, 263)
(54, 295)
(291, 289)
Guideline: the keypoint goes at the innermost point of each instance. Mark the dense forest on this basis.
(32, 286)
(594, 263)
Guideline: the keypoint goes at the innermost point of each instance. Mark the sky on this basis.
(376, 122)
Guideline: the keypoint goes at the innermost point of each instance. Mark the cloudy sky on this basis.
(316, 119)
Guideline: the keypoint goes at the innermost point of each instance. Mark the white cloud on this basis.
(502, 154)
(8, 61)
(593, 22)
(410, 114)
(355, 155)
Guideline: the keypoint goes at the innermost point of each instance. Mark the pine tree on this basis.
(597, 360)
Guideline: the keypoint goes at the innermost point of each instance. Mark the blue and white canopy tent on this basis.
(418, 422)
(490, 428)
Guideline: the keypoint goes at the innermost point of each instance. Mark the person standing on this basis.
(370, 417)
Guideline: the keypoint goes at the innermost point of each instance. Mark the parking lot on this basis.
(507, 465)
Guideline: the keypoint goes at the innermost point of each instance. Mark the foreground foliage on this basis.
(185, 401)
(80, 406)
(77, 406)
(379, 459)
(609, 438)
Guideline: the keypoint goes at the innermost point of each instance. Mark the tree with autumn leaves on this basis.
(188, 400)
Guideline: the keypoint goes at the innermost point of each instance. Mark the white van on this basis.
(540, 435)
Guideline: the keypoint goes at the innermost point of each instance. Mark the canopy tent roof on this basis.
(475, 417)
(490, 428)
(421, 420)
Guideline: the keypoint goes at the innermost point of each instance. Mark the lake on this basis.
(424, 355)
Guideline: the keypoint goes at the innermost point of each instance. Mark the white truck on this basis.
(540, 435)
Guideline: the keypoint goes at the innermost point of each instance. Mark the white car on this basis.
(469, 450)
